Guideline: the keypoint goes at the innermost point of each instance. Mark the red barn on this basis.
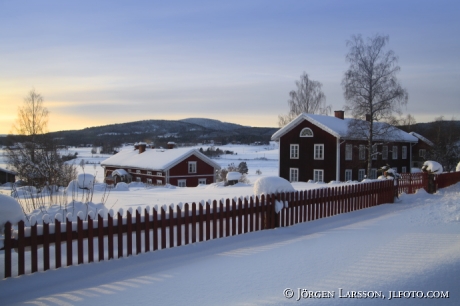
(183, 167)
(321, 148)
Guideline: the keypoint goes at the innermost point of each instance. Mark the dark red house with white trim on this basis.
(320, 148)
(183, 167)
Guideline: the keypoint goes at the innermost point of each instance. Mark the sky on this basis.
(104, 62)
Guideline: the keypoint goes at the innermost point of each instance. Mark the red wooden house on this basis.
(321, 148)
(183, 167)
(421, 150)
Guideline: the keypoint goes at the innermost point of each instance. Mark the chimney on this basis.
(368, 117)
(171, 145)
(142, 147)
(339, 114)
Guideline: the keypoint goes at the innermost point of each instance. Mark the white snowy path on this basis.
(411, 245)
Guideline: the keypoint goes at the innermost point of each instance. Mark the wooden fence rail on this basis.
(72, 243)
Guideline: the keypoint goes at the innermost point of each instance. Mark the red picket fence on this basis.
(410, 182)
(447, 179)
(70, 243)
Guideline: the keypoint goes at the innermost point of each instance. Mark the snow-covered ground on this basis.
(413, 245)
(410, 248)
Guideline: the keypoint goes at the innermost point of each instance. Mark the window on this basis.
(403, 170)
(348, 175)
(306, 132)
(159, 174)
(294, 151)
(159, 182)
(395, 169)
(362, 152)
(294, 174)
(202, 181)
(191, 167)
(361, 174)
(373, 174)
(149, 172)
(404, 152)
(374, 152)
(318, 175)
(319, 151)
(182, 183)
(138, 179)
(422, 153)
(348, 151)
(395, 152)
(385, 152)
(149, 181)
(138, 171)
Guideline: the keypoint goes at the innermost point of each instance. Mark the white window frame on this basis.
(348, 151)
(395, 169)
(138, 179)
(306, 132)
(422, 153)
(361, 174)
(202, 181)
(374, 152)
(294, 151)
(149, 172)
(149, 181)
(293, 174)
(319, 151)
(138, 171)
(373, 174)
(159, 182)
(159, 174)
(192, 167)
(394, 153)
(362, 152)
(348, 175)
(181, 183)
(384, 152)
(404, 152)
(318, 175)
(403, 170)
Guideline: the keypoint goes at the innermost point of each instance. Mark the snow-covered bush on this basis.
(121, 186)
(432, 167)
(85, 181)
(272, 185)
(10, 210)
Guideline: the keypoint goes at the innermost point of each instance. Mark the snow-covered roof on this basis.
(120, 172)
(233, 176)
(154, 159)
(425, 140)
(8, 171)
(339, 127)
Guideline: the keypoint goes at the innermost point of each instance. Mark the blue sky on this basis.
(102, 62)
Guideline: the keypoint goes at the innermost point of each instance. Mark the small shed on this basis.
(7, 176)
(233, 178)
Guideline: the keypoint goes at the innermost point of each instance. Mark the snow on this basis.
(422, 138)
(410, 245)
(10, 210)
(233, 176)
(458, 167)
(339, 127)
(272, 184)
(153, 159)
(432, 167)
(85, 181)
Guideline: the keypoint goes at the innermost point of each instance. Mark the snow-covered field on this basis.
(412, 246)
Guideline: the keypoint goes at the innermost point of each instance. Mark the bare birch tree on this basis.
(308, 98)
(371, 88)
(34, 155)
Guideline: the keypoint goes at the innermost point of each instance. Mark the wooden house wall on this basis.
(180, 171)
(306, 162)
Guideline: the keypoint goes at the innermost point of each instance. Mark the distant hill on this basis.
(214, 124)
(160, 132)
